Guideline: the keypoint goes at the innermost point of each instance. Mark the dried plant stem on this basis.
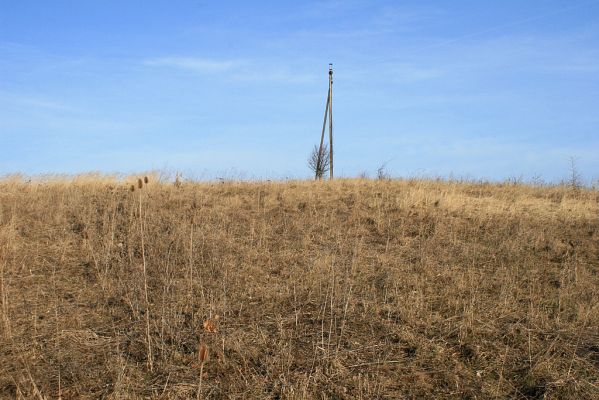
(200, 384)
(191, 265)
(145, 275)
(101, 278)
(203, 356)
(4, 300)
(499, 381)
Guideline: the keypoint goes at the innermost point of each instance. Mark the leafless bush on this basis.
(319, 162)
(382, 173)
(575, 179)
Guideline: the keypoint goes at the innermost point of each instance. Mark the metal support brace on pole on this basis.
(324, 125)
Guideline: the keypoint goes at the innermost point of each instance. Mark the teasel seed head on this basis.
(203, 354)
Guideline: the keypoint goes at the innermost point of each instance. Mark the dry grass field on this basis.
(353, 289)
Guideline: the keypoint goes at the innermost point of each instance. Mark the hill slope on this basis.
(353, 289)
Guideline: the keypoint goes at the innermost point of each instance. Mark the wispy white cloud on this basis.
(195, 64)
(470, 59)
(407, 73)
(323, 7)
(403, 17)
(243, 71)
(43, 103)
(529, 53)
(15, 46)
(34, 101)
(375, 21)
(279, 76)
(397, 73)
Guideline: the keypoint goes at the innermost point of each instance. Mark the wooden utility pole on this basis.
(331, 120)
(328, 113)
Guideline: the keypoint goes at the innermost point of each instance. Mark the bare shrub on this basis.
(574, 179)
(382, 173)
(319, 162)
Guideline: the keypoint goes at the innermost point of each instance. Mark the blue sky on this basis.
(478, 89)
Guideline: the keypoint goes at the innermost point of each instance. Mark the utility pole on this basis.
(331, 120)
(328, 113)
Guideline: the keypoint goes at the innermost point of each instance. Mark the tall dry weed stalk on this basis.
(140, 184)
(4, 300)
(203, 357)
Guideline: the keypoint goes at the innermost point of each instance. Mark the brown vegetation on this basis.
(353, 289)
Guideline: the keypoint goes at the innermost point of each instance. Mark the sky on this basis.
(463, 88)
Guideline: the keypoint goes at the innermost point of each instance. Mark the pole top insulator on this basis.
(330, 69)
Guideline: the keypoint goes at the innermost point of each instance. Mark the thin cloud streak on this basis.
(195, 64)
(278, 76)
(241, 71)
(34, 101)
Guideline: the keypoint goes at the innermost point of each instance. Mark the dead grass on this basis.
(354, 289)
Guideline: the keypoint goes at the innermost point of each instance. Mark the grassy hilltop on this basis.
(352, 289)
